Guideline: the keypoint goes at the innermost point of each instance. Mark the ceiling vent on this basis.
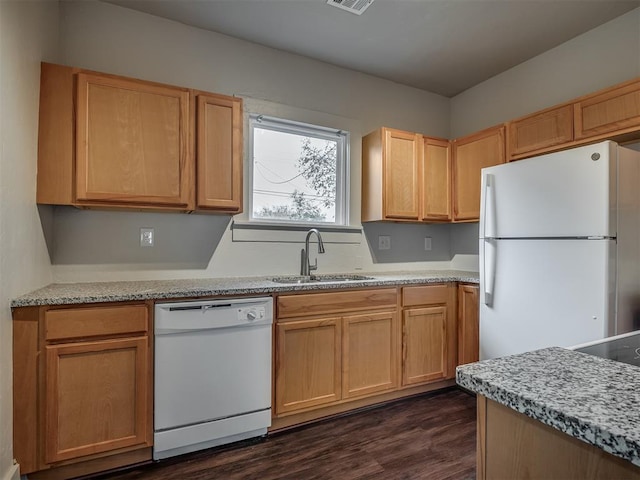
(353, 6)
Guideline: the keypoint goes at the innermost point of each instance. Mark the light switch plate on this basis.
(427, 243)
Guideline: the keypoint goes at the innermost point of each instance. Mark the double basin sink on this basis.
(320, 279)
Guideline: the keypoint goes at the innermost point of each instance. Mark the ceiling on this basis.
(442, 46)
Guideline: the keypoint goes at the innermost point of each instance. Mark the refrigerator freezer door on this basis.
(563, 194)
(545, 293)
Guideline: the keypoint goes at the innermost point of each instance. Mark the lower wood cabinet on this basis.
(369, 345)
(429, 337)
(424, 344)
(96, 397)
(513, 445)
(324, 360)
(361, 347)
(308, 363)
(345, 348)
(468, 324)
(90, 408)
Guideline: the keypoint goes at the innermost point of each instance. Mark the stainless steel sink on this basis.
(320, 279)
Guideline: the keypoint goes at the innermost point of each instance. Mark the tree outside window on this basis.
(298, 172)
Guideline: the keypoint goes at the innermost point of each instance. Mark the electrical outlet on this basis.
(384, 242)
(427, 243)
(146, 237)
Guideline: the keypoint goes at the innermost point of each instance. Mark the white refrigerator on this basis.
(559, 249)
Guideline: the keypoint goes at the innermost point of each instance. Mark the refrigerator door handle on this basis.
(489, 270)
(488, 227)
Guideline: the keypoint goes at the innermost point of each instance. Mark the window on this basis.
(298, 172)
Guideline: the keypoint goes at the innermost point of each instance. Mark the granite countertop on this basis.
(593, 399)
(76, 293)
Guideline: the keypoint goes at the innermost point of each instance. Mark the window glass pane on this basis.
(294, 176)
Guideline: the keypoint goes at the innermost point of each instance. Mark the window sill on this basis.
(289, 233)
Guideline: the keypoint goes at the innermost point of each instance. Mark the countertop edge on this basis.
(58, 294)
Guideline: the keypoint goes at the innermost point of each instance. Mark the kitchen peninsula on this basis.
(555, 413)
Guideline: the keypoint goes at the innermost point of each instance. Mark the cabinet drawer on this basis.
(320, 303)
(95, 321)
(425, 295)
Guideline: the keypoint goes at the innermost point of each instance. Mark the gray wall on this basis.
(597, 59)
(108, 38)
(112, 39)
(28, 34)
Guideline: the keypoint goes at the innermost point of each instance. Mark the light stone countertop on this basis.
(593, 399)
(78, 293)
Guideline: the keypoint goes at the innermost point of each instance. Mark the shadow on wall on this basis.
(92, 237)
(408, 242)
(464, 238)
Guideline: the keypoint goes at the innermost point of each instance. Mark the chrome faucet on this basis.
(305, 266)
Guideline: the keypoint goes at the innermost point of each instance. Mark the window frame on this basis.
(316, 131)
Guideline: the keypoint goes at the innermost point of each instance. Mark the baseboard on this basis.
(13, 473)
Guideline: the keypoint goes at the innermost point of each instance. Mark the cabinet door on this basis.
(613, 111)
(470, 155)
(540, 131)
(468, 326)
(436, 180)
(424, 344)
(369, 346)
(219, 153)
(96, 397)
(402, 151)
(132, 142)
(308, 364)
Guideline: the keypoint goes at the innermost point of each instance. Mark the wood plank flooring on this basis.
(427, 437)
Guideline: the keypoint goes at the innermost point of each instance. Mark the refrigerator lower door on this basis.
(536, 293)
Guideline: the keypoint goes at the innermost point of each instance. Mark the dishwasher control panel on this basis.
(251, 313)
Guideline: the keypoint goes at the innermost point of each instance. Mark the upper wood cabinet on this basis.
(612, 111)
(219, 152)
(436, 180)
(405, 177)
(390, 175)
(540, 131)
(401, 169)
(470, 155)
(132, 142)
(115, 142)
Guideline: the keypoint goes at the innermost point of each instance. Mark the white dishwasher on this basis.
(212, 373)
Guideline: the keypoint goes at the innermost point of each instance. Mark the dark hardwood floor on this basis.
(427, 437)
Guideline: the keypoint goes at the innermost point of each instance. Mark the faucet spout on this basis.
(305, 266)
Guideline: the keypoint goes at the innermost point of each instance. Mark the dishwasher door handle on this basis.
(204, 308)
(204, 325)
